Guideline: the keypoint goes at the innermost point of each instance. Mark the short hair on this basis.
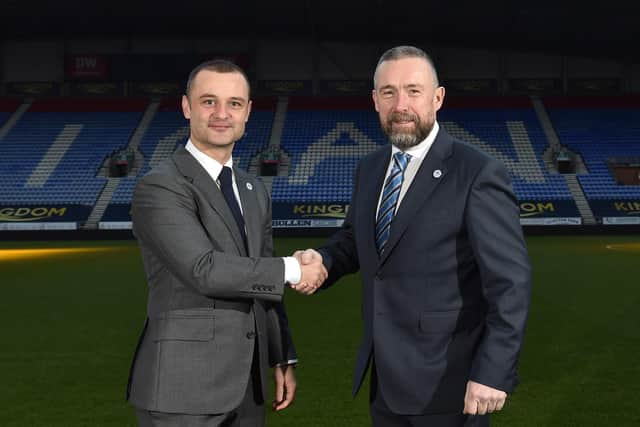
(400, 52)
(218, 66)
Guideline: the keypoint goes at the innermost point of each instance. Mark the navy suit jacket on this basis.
(447, 301)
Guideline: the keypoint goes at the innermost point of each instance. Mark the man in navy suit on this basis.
(434, 229)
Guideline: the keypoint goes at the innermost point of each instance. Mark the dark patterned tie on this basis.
(226, 185)
(389, 199)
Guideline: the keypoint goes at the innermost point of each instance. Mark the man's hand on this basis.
(481, 399)
(285, 379)
(313, 271)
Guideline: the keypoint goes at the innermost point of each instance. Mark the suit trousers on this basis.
(250, 413)
(382, 416)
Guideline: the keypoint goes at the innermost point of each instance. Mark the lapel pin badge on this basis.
(437, 173)
(249, 186)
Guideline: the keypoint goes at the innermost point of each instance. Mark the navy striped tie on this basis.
(389, 199)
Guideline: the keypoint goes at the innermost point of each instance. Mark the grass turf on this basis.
(69, 322)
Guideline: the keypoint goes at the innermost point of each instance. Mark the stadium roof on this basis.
(594, 29)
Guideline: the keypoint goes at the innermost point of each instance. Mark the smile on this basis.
(220, 127)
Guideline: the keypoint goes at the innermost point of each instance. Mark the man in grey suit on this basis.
(215, 320)
(434, 229)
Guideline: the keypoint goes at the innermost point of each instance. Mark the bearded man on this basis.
(434, 230)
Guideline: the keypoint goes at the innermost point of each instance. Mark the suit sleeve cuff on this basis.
(287, 363)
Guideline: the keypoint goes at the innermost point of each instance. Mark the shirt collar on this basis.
(212, 166)
(421, 149)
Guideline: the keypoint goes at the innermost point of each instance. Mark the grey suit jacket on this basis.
(447, 301)
(192, 357)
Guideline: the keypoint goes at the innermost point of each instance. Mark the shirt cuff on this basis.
(292, 271)
(287, 363)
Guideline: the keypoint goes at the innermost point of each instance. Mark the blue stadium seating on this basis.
(171, 126)
(329, 163)
(599, 135)
(530, 178)
(255, 139)
(322, 169)
(3, 117)
(324, 146)
(74, 179)
(165, 124)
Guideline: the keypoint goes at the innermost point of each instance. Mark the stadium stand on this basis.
(508, 129)
(7, 106)
(601, 129)
(3, 117)
(53, 153)
(604, 130)
(326, 137)
(169, 128)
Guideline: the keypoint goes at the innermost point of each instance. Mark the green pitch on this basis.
(70, 313)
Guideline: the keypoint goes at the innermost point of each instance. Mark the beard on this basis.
(406, 138)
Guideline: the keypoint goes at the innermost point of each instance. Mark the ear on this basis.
(438, 98)
(248, 111)
(186, 108)
(374, 95)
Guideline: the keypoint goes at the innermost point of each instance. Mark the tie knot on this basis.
(225, 176)
(402, 160)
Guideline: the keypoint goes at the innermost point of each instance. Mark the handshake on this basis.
(313, 271)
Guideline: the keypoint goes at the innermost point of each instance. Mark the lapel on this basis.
(370, 184)
(421, 188)
(250, 211)
(195, 173)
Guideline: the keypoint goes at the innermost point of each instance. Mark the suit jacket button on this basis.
(251, 335)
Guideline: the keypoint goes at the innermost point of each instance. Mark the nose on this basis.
(402, 101)
(220, 111)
